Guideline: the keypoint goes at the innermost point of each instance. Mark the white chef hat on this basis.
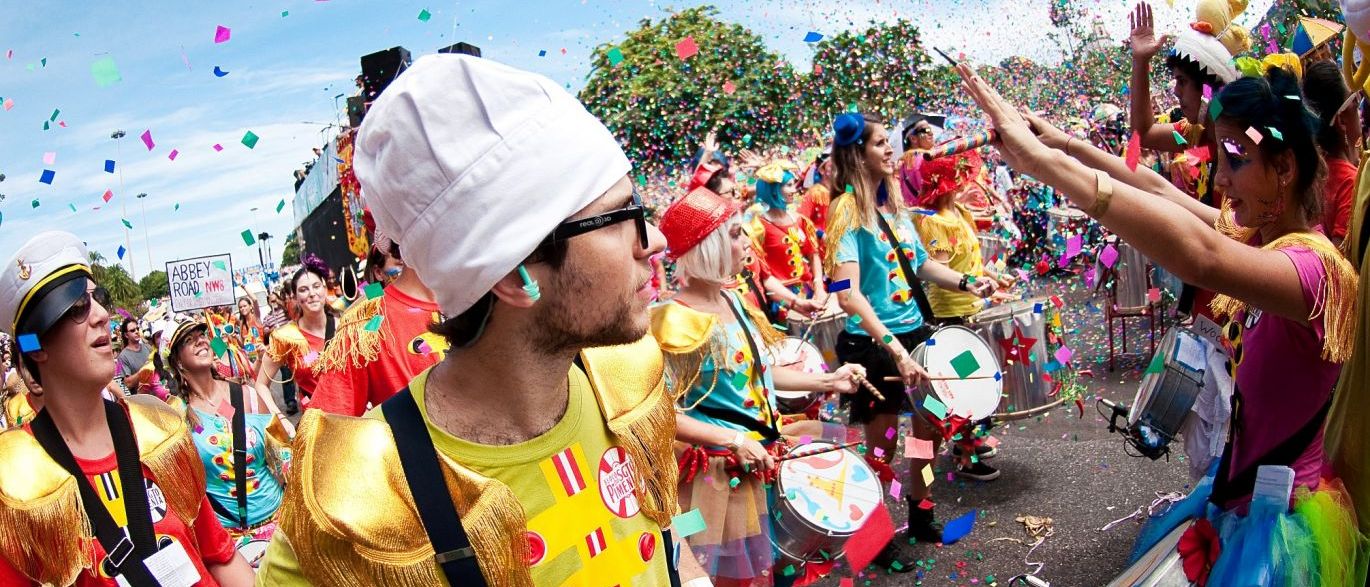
(469, 164)
(41, 282)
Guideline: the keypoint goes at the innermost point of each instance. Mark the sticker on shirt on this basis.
(429, 344)
(617, 488)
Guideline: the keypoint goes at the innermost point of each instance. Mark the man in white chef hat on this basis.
(538, 452)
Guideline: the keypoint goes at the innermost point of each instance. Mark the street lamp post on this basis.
(147, 243)
(118, 137)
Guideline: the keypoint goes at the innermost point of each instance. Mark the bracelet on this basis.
(1103, 194)
(965, 282)
(736, 443)
(1069, 138)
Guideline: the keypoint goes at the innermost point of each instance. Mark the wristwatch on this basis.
(965, 282)
(735, 444)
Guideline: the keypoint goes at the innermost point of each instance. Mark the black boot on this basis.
(890, 559)
(923, 526)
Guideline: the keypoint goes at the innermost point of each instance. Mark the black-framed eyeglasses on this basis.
(80, 311)
(634, 212)
(922, 131)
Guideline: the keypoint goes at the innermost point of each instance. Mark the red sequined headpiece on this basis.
(691, 218)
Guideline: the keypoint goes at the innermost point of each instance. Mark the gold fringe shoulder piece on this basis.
(843, 217)
(689, 338)
(1346, 436)
(351, 519)
(1335, 300)
(18, 411)
(44, 531)
(278, 450)
(353, 345)
(770, 336)
(288, 344)
(629, 385)
(167, 450)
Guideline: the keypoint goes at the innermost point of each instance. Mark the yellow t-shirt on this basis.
(577, 492)
(952, 232)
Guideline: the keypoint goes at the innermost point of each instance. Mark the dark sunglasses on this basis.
(634, 212)
(79, 311)
(922, 131)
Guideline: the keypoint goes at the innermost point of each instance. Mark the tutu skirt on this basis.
(736, 540)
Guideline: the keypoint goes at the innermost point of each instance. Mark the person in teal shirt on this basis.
(883, 301)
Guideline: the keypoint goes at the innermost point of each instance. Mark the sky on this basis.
(286, 60)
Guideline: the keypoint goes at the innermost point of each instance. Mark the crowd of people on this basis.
(582, 387)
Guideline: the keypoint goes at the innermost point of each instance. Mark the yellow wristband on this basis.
(1103, 194)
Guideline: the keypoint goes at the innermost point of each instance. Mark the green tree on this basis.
(124, 292)
(290, 252)
(661, 106)
(154, 285)
(882, 71)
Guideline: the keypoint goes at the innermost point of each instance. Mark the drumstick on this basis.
(792, 456)
(871, 388)
(939, 377)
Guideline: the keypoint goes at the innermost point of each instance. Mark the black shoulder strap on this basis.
(125, 552)
(771, 433)
(915, 284)
(1285, 453)
(422, 471)
(330, 329)
(235, 397)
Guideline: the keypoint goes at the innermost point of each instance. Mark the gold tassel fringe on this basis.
(647, 433)
(287, 345)
(49, 539)
(1334, 302)
(173, 458)
(353, 344)
(843, 217)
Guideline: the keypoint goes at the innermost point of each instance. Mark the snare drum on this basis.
(821, 330)
(1129, 274)
(1017, 333)
(1168, 390)
(800, 355)
(254, 551)
(821, 501)
(1062, 224)
(941, 354)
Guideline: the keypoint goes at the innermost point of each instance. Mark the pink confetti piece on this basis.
(1153, 294)
(222, 34)
(1109, 255)
(108, 195)
(218, 147)
(1254, 134)
(992, 441)
(1074, 245)
(896, 489)
(729, 87)
(1063, 355)
(879, 453)
(172, 155)
(686, 48)
(9, 104)
(889, 433)
(917, 448)
(49, 158)
(1232, 149)
(147, 139)
(1134, 151)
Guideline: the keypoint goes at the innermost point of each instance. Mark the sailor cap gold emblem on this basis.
(25, 272)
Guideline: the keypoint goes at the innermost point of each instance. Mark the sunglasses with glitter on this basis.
(635, 212)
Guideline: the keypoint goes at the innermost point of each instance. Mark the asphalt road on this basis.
(1059, 466)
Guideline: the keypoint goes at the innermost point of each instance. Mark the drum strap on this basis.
(770, 433)
(235, 396)
(915, 285)
(423, 473)
(1285, 453)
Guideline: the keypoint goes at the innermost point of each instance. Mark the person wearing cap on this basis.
(875, 253)
(920, 136)
(382, 343)
(125, 471)
(726, 411)
(538, 451)
(222, 413)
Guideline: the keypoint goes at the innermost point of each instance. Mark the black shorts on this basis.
(865, 351)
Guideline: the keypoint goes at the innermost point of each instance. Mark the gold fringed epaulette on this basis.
(1334, 301)
(287, 344)
(689, 338)
(628, 383)
(353, 344)
(44, 533)
(843, 217)
(770, 336)
(167, 450)
(351, 519)
(278, 450)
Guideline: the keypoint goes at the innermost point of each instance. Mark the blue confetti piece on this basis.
(29, 343)
(121, 251)
(109, 166)
(958, 528)
(925, 212)
(998, 376)
(813, 37)
(1037, 308)
(932, 342)
(219, 72)
(542, 53)
(837, 286)
(47, 176)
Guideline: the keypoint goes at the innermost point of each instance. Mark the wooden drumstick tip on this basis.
(871, 388)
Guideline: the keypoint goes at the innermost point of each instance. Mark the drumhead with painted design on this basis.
(970, 398)
(836, 491)
(801, 355)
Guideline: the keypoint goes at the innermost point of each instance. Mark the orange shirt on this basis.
(406, 349)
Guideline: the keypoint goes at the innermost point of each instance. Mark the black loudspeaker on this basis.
(356, 110)
(463, 48)
(381, 68)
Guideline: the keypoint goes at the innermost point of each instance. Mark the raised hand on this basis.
(1144, 43)
(1020, 147)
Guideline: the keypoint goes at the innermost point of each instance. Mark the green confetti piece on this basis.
(280, 206)
(55, 112)
(248, 239)
(127, 224)
(740, 380)
(688, 523)
(850, 189)
(935, 407)
(1179, 138)
(1215, 108)
(1157, 364)
(374, 290)
(72, 206)
(1275, 132)
(176, 207)
(218, 346)
(374, 325)
(615, 56)
(965, 364)
(734, 482)
(250, 140)
(220, 265)
(424, 15)
(285, 13)
(789, 569)
(35, 203)
(105, 72)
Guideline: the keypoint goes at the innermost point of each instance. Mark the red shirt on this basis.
(788, 250)
(1341, 193)
(407, 348)
(814, 205)
(210, 541)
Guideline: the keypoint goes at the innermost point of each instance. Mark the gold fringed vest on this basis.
(351, 519)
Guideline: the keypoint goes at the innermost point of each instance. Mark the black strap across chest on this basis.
(771, 433)
(239, 518)
(915, 285)
(125, 552)
(1228, 486)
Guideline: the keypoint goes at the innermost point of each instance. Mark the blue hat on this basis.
(846, 129)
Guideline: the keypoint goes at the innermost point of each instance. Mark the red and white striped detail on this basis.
(595, 542)
(568, 469)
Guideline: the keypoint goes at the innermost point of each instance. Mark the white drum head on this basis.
(836, 491)
(973, 399)
(253, 551)
(800, 355)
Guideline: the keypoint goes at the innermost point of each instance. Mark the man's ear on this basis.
(510, 289)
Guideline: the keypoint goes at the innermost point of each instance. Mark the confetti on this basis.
(29, 343)
(217, 346)
(172, 155)
(917, 448)
(248, 239)
(958, 528)
(615, 56)
(127, 224)
(374, 290)
(49, 158)
(927, 476)
(1275, 132)
(109, 166)
(47, 176)
(121, 251)
(250, 140)
(965, 364)
(868, 541)
(105, 72)
(1063, 355)
(424, 15)
(222, 34)
(147, 139)
(280, 206)
(374, 325)
(935, 406)
(218, 72)
(1254, 134)
(1109, 255)
(813, 37)
(1134, 151)
(686, 48)
(688, 523)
